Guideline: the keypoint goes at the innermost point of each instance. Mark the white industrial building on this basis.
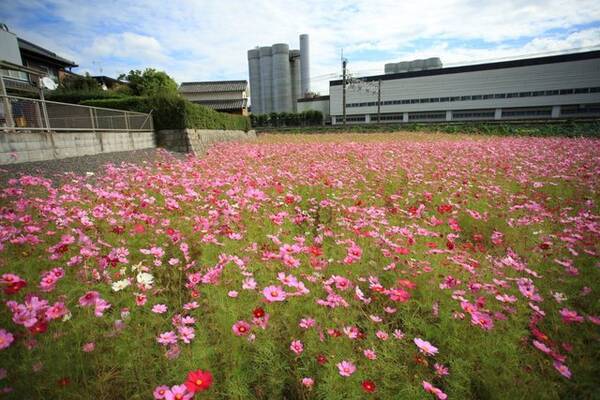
(559, 86)
(278, 76)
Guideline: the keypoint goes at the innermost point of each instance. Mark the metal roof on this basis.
(24, 45)
(481, 67)
(213, 86)
(223, 104)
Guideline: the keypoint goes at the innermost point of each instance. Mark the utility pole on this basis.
(344, 62)
(379, 101)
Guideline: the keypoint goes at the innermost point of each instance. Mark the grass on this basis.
(381, 193)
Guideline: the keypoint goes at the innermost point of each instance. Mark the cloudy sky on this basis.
(194, 40)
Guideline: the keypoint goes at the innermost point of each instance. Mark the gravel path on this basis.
(55, 169)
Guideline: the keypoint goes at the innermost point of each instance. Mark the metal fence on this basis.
(26, 114)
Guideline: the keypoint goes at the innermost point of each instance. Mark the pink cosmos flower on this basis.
(274, 293)
(88, 347)
(160, 392)
(440, 369)
(433, 390)
(425, 347)
(167, 338)
(306, 323)
(232, 294)
(483, 320)
(382, 335)
(346, 368)
(370, 354)
(241, 328)
(308, 382)
(6, 339)
(398, 334)
(190, 306)
(179, 392)
(563, 369)
(297, 347)
(89, 298)
(186, 333)
(570, 316)
(159, 308)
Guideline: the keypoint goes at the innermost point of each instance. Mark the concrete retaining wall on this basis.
(17, 147)
(197, 141)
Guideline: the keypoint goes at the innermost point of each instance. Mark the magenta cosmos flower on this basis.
(274, 293)
(297, 347)
(6, 339)
(425, 347)
(346, 368)
(241, 328)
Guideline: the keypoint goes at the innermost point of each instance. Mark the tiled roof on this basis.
(213, 86)
(34, 48)
(223, 104)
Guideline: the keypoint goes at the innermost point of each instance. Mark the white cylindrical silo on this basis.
(282, 78)
(254, 75)
(304, 65)
(433, 63)
(402, 66)
(266, 80)
(389, 68)
(295, 72)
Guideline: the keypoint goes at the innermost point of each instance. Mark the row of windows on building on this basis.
(530, 112)
(479, 97)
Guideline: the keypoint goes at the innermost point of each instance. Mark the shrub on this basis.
(285, 119)
(175, 112)
(76, 96)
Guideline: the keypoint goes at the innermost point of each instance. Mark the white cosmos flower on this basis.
(145, 278)
(120, 285)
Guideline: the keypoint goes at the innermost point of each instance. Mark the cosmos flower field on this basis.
(309, 267)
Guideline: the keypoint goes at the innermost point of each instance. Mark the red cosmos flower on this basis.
(258, 312)
(64, 381)
(39, 327)
(322, 359)
(14, 287)
(444, 208)
(118, 229)
(316, 251)
(368, 386)
(139, 228)
(407, 284)
(198, 381)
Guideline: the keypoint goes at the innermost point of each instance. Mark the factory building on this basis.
(223, 96)
(278, 76)
(559, 86)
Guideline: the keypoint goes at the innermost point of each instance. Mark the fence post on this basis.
(129, 131)
(7, 106)
(92, 119)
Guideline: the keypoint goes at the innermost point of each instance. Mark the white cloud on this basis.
(202, 40)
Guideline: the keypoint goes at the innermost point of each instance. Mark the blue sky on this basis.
(208, 40)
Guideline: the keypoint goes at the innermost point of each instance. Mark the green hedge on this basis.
(78, 96)
(285, 119)
(174, 112)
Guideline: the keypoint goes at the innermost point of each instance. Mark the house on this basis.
(20, 52)
(224, 96)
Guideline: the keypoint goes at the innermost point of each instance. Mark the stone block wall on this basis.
(197, 141)
(17, 147)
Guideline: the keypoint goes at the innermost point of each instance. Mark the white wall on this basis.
(563, 75)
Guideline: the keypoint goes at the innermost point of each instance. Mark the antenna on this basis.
(48, 83)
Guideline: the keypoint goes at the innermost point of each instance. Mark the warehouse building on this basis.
(224, 96)
(278, 76)
(559, 86)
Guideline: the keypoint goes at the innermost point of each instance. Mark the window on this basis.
(580, 109)
(423, 100)
(582, 90)
(456, 98)
(524, 94)
(488, 96)
(464, 98)
(476, 97)
(500, 95)
(444, 99)
(551, 92)
(426, 116)
(414, 101)
(473, 114)
(511, 95)
(526, 112)
(566, 91)
(595, 90)
(405, 101)
(538, 93)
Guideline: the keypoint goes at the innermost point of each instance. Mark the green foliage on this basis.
(174, 112)
(285, 119)
(150, 82)
(539, 129)
(75, 89)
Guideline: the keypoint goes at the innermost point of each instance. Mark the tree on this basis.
(81, 83)
(150, 82)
